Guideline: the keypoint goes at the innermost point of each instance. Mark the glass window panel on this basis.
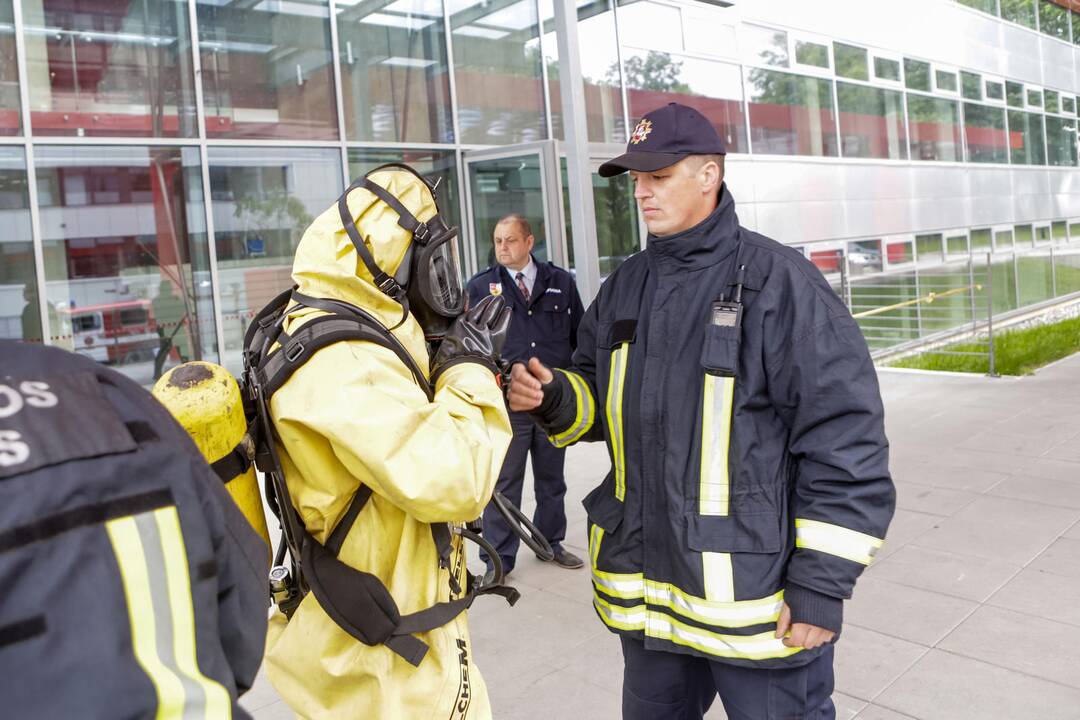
(956, 245)
(917, 75)
(871, 121)
(1034, 97)
(1052, 105)
(851, 62)
(928, 248)
(712, 88)
(995, 90)
(395, 85)
(599, 70)
(1024, 236)
(266, 69)
(934, 125)
(1076, 26)
(127, 262)
(1061, 141)
(1054, 20)
(1074, 231)
(791, 114)
(20, 309)
(263, 199)
(971, 85)
(1003, 239)
(763, 46)
(501, 186)
(646, 24)
(109, 69)
(617, 229)
(1042, 235)
(864, 257)
(984, 129)
(1068, 105)
(987, 6)
(10, 121)
(812, 53)
(439, 164)
(497, 58)
(899, 252)
(1019, 11)
(946, 80)
(886, 69)
(1026, 138)
(1014, 94)
(981, 239)
(1061, 231)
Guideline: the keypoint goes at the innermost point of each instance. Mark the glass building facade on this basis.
(160, 159)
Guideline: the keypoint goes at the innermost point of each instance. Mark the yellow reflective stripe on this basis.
(150, 554)
(717, 400)
(835, 540)
(585, 412)
(218, 703)
(664, 627)
(718, 576)
(614, 404)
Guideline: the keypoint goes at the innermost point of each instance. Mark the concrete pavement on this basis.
(972, 610)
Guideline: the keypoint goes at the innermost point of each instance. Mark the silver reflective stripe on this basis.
(718, 576)
(835, 540)
(750, 647)
(716, 411)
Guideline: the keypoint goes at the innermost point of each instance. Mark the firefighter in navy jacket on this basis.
(749, 485)
(546, 311)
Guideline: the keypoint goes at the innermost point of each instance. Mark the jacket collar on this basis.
(701, 246)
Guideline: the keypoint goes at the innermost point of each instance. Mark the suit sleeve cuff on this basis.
(814, 608)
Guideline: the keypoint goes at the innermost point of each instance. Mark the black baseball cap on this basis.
(664, 137)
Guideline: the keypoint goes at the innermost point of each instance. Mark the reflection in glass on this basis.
(1026, 138)
(1003, 239)
(899, 252)
(1024, 237)
(1051, 101)
(499, 188)
(266, 69)
(10, 122)
(1068, 105)
(994, 90)
(864, 257)
(970, 85)
(434, 164)
(934, 125)
(1060, 231)
(886, 69)
(617, 229)
(1054, 20)
(946, 81)
(871, 122)
(1014, 94)
(812, 53)
(497, 60)
(1019, 11)
(110, 69)
(987, 6)
(980, 239)
(791, 114)
(395, 83)
(1060, 141)
(712, 88)
(1075, 17)
(851, 62)
(916, 75)
(928, 248)
(763, 46)
(1034, 97)
(20, 313)
(127, 264)
(984, 130)
(263, 199)
(956, 245)
(599, 69)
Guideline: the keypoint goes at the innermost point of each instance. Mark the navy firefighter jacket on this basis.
(749, 464)
(546, 326)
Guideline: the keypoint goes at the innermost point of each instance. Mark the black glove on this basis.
(476, 336)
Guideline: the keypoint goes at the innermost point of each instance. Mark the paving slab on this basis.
(934, 500)
(1063, 558)
(950, 573)
(906, 526)
(876, 712)
(1061, 493)
(908, 613)
(1047, 594)
(867, 662)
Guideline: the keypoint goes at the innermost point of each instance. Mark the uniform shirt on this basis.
(528, 275)
(546, 326)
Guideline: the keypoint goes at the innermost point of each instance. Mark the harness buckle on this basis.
(294, 350)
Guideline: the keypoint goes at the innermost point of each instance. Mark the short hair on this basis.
(703, 159)
(519, 219)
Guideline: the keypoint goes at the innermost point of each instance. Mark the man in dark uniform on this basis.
(750, 483)
(546, 311)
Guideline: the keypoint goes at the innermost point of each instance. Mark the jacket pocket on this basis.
(603, 508)
(720, 353)
(754, 532)
(617, 337)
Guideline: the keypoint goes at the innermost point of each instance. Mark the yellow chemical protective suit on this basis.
(353, 414)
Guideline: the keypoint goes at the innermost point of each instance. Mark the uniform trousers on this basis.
(549, 484)
(659, 685)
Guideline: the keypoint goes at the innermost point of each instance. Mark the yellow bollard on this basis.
(205, 399)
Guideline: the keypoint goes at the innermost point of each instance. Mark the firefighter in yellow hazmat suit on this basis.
(352, 416)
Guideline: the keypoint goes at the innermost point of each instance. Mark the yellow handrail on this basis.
(928, 298)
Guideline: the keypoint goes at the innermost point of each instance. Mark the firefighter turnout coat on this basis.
(749, 464)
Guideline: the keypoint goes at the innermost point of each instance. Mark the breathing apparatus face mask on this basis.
(428, 279)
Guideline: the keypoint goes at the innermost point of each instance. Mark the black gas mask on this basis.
(428, 280)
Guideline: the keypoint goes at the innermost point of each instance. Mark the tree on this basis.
(655, 71)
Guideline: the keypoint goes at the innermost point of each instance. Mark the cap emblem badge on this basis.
(644, 127)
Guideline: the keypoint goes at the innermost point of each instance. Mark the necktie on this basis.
(522, 286)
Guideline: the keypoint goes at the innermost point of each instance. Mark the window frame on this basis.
(935, 68)
(804, 69)
(894, 57)
(1002, 101)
